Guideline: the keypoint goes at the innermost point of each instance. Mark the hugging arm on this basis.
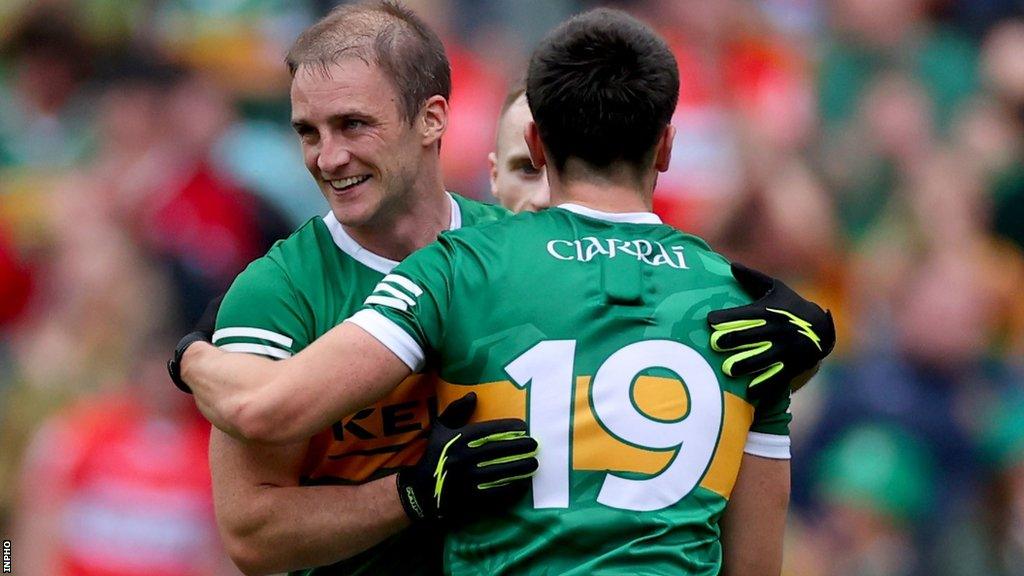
(289, 400)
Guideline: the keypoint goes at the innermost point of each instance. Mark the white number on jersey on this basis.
(546, 372)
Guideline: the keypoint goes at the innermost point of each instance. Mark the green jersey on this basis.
(592, 327)
(304, 286)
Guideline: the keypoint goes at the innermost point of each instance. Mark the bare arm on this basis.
(755, 520)
(269, 523)
(287, 401)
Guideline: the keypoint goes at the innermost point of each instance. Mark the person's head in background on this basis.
(515, 182)
(49, 59)
(602, 88)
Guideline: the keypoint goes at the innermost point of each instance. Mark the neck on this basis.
(605, 197)
(617, 189)
(414, 222)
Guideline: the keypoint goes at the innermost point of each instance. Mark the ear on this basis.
(434, 119)
(536, 147)
(663, 155)
(492, 163)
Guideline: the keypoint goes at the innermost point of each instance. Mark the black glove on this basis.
(468, 469)
(778, 336)
(201, 332)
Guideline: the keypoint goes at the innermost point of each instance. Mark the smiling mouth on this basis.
(347, 183)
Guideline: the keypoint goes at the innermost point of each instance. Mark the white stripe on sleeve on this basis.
(257, 349)
(404, 283)
(259, 333)
(767, 445)
(391, 335)
(382, 287)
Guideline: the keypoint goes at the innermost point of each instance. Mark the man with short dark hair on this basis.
(765, 338)
(605, 353)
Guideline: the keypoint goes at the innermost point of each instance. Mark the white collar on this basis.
(631, 217)
(348, 244)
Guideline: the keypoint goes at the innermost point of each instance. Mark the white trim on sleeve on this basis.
(382, 287)
(256, 349)
(767, 445)
(391, 335)
(387, 301)
(404, 282)
(258, 333)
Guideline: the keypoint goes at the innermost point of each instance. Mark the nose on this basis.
(540, 199)
(333, 155)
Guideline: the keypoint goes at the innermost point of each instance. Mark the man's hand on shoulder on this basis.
(779, 336)
(468, 470)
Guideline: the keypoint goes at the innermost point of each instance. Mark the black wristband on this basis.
(174, 364)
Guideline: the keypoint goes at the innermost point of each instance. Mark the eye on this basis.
(306, 132)
(525, 167)
(353, 124)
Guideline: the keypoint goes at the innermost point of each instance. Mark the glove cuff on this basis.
(414, 508)
(174, 364)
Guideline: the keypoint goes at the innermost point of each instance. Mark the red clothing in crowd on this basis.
(477, 94)
(208, 222)
(15, 283)
(754, 87)
(131, 491)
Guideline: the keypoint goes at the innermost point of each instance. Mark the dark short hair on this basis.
(388, 34)
(602, 87)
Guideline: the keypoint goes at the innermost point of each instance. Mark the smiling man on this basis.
(369, 94)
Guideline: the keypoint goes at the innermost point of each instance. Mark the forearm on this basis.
(289, 400)
(270, 523)
(254, 398)
(222, 383)
(304, 526)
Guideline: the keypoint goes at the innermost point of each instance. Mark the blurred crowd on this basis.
(869, 152)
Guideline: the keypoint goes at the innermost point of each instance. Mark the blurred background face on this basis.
(876, 22)
(516, 184)
(129, 117)
(1002, 65)
(363, 155)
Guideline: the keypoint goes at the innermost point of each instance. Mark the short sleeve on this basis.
(407, 308)
(261, 314)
